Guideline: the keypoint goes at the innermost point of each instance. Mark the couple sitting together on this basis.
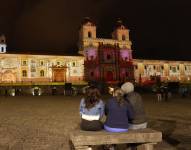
(123, 111)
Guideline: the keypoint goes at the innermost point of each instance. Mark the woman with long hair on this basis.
(91, 110)
(118, 113)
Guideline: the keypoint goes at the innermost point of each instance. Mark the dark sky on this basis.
(158, 28)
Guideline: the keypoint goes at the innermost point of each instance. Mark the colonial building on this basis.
(107, 60)
(41, 68)
(145, 70)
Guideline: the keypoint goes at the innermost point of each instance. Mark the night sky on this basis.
(159, 29)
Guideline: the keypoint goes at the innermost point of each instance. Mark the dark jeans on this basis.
(94, 125)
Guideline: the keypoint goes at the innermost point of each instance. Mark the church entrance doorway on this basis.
(59, 74)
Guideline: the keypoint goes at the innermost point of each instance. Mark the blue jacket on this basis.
(98, 109)
(117, 116)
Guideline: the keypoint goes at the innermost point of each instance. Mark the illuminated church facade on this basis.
(107, 60)
(99, 59)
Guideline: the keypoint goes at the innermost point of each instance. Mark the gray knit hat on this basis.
(127, 87)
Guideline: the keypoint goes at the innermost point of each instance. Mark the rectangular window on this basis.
(24, 62)
(41, 63)
(73, 64)
(24, 73)
(174, 69)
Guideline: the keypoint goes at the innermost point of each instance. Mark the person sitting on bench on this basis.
(91, 110)
(118, 113)
(135, 100)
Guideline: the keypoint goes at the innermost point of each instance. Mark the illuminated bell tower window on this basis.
(123, 38)
(89, 34)
(42, 73)
(24, 73)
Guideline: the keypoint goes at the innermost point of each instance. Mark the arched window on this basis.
(24, 73)
(123, 37)
(42, 73)
(89, 34)
(2, 49)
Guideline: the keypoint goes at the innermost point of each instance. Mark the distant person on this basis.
(118, 112)
(159, 95)
(54, 90)
(6, 92)
(139, 117)
(184, 92)
(91, 110)
(162, 92)
(166, 93)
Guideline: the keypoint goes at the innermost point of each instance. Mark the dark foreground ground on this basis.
(43, 123)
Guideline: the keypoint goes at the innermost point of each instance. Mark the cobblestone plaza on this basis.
(44, 122)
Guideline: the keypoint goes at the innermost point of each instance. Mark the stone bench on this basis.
(144, 138)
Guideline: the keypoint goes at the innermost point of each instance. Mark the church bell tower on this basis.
(87, 34)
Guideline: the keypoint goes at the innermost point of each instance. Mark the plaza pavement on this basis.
(44, 122)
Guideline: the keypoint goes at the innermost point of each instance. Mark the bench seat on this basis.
(145, 138)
